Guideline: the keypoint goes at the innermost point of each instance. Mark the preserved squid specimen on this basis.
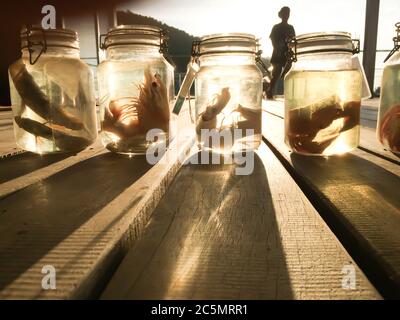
(389, 130)
(312, 129)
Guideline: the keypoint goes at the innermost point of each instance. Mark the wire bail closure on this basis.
(196, 49)
(31, 43)
(396, 41)
(292, 53)
(102, 40)
(163, 44)
(196, 54)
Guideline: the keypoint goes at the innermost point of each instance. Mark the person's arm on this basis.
(274, 37)
(292, 31)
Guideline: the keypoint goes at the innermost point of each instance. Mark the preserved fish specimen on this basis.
(65, 129)
(33, 97)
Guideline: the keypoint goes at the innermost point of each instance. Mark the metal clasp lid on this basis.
(102, 40)
(261, 62)
(31, 43)
(164, 37)
(396, 41)
(292, 52)
(356, 46)
(196, 49)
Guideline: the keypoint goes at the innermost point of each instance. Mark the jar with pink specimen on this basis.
(388, 131)
(323, 92)
(135, 89)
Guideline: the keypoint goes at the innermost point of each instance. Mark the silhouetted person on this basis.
(279, 35)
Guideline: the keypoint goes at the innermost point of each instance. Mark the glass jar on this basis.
(136, 87)
(388, 131)
(323, 95)
(228, 93)
(52, 93)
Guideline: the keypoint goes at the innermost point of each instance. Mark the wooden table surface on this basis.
(116, 227)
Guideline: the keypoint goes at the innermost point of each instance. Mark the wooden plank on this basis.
(81, 220)
(358, 194)
(217, 235)
(7, 141)
(21, 170)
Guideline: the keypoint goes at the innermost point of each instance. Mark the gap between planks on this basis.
(358, 195)
(216, 235)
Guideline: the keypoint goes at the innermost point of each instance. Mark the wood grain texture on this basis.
(7, 141)
(20, 170)
(360, 195)
(80, 218)
(217, 235)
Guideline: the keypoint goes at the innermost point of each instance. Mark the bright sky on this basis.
(202, 17)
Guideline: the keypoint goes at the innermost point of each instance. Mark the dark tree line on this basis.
(179, 43)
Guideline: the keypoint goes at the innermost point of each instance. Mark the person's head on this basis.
(284, 14)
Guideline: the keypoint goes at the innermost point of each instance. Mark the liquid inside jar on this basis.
(53, 104)
(322, 112)
(135, 99)
(228, 108)
(389, 113)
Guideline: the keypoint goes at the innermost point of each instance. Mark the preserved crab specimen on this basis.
(312, 129)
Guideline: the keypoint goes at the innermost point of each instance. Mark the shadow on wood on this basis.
(214, 235)
(24, 163)
(36, 219)
(364, 208)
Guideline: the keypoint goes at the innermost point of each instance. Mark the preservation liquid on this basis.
(53, 105)
(388, 131)
(135, 100)
(236, 125)
(322, 111)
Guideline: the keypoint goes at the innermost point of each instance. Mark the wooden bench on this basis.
(115, 227)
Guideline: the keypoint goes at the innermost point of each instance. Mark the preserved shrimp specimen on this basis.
(130, 116)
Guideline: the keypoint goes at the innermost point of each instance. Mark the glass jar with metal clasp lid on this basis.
(388, 131)
(323, 92)
(228, 89)
(52, 93)
(136, 86)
